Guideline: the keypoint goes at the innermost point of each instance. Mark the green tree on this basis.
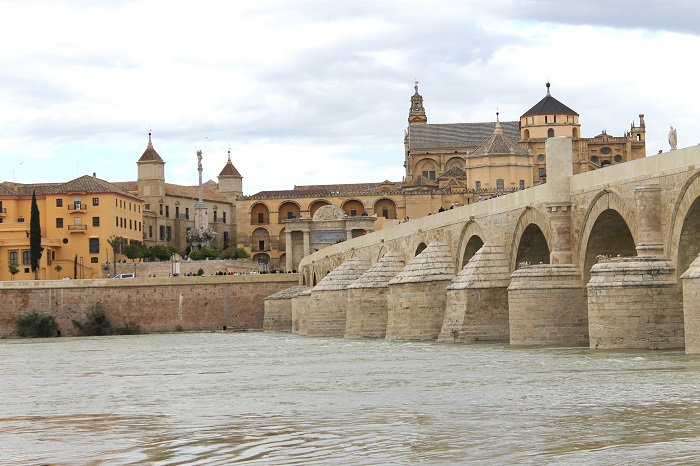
(136, 250)
(35, 248)
(75, 268)
(160, 252)
(204, 253)
(58, 269)
(14, 269)
(234, 253)
(117, 243)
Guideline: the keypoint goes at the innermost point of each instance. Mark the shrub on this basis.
(200, 272)
(96, 322)
(178, 328)
(204, 253)
(234, 253)
(36, 325)
(130, 328)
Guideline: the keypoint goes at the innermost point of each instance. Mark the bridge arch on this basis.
(608, 228)
(683, 243)
(420, 248)
(470, 241)
(531, 239)
(382, 252)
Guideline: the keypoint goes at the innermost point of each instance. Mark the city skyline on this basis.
(309, 92)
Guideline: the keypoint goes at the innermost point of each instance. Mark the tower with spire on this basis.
(151, 173)
(230, 181)
(416, 114)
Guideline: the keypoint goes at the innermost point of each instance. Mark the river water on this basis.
(258, 398)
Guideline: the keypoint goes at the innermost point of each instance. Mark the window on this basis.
(541, 173)
(117, 220)
(94, 245)
(594, 159)
(261, 245)
(550, 133)
(522, 184)
(353, 213)
(215, 216)
(605, 150)
(59, 202)
(131, 227)
(161, 230)
(161, 209)
(540, 158)
(95, 221)
(94, 260)
(177, 211)
(478, 185)
(261, 217)
(150, 231)
(77, 204)
(167, 211)
(429, 175)
(13, 257)
(226, 239)
(499, 184)
(168, 233)
(385, 213)
(290, 215)
(223, 219)
(618, 158)
(59, 223)
(139, 226)
(545, 119)
(26, 258)
(187, 213)
(95, 201)
(20, 220)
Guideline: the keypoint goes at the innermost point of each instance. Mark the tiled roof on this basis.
(86, 183)
(229, 169)
(150, 154)
(454, 172)
(128, 186)
(457, 135)
(498, 144)
(328, 190)
(192, 192)
(549, 106)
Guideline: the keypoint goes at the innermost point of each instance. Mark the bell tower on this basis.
(416, 114)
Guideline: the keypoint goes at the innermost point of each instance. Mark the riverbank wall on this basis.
(229, 302)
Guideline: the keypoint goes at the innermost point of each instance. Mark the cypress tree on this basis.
(35, 248)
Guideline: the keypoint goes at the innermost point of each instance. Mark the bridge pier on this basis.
(278, 310)
(367, 298)
(547, 306)
(477, 299)
(329, 299)
(691, 307)
(418, 294)
(635, 302)
(300, 306)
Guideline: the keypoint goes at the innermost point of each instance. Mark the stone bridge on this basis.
(593, 259)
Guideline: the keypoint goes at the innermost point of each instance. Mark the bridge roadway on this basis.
(592, 259)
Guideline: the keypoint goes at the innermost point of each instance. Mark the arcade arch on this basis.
(259, 214)
(314, 206)
(288, 210)
(261, 240)
(385, 208)
(353, 208)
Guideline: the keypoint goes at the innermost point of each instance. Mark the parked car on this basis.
(125, 275)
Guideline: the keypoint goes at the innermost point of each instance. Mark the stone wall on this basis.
(156, 305)
(162, 269)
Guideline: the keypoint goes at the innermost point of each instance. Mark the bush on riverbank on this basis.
(96, 322)
(37, 325)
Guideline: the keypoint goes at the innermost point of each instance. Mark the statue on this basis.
(199, 158)
(673, 138)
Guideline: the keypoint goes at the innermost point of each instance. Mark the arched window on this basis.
(526, 134)
(499, 184)
(550, 133)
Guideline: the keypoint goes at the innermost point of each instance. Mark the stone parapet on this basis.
(278, 310)
(635, 302)
(691, 307)
(547, 306)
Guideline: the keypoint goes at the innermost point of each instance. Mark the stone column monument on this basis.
(201, 214)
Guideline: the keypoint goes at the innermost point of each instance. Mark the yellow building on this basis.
(77, 218)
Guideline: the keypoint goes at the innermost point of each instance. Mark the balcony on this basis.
(3, 211)
(77, 208)
(77, 228)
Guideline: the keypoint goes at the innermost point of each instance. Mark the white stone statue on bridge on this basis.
(673, 138)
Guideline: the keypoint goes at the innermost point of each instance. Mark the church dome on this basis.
(549, 106)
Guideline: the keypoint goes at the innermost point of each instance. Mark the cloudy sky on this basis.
(317, 92)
